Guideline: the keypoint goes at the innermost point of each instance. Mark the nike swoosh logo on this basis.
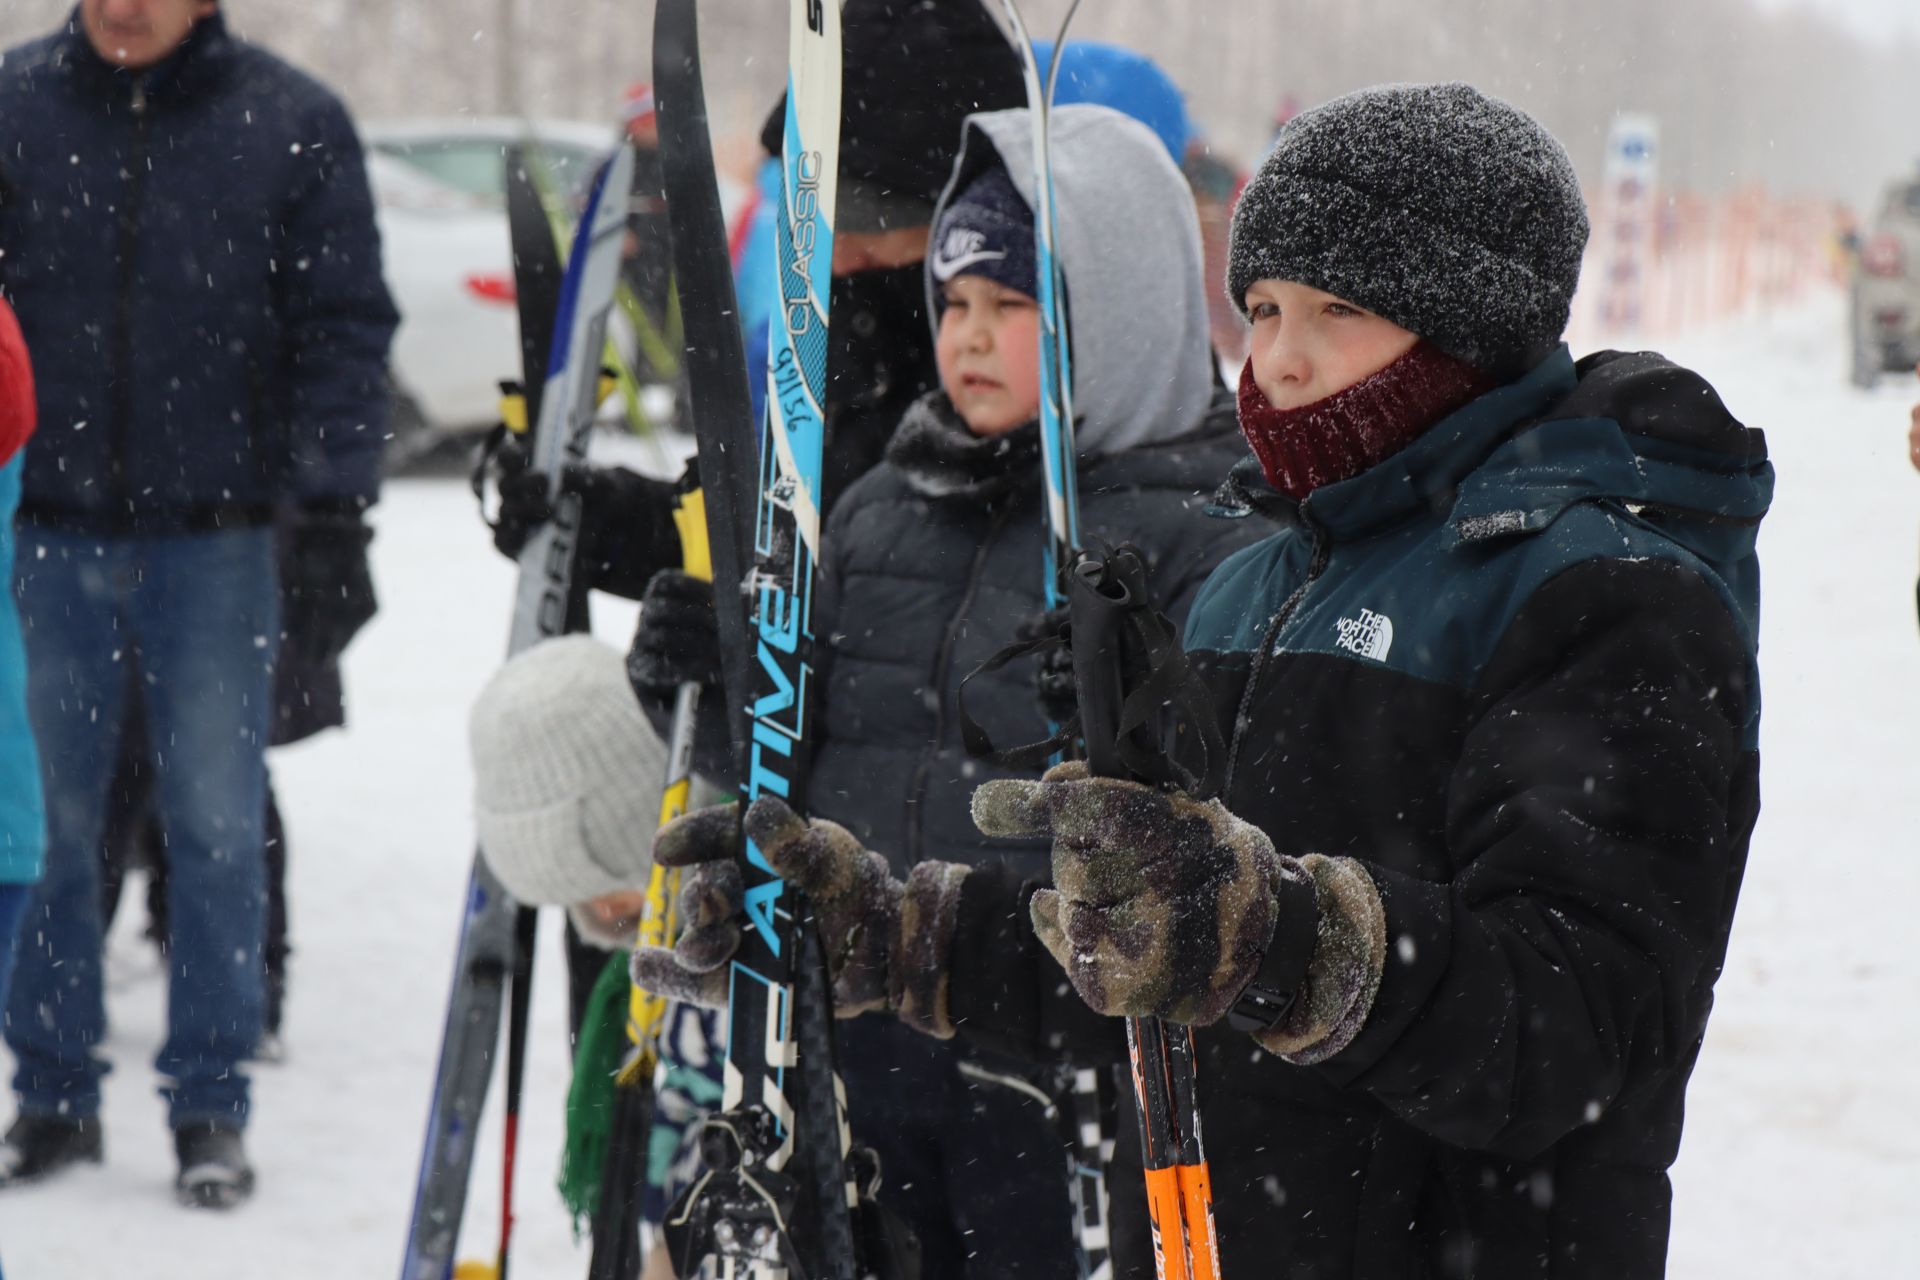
(945, 269)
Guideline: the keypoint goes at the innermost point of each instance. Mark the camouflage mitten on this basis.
(887, 943)
(1335, 996)
(1163, 905)
(705, 843)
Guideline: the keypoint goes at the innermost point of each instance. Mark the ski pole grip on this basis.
(690, 522)
(1098, 600)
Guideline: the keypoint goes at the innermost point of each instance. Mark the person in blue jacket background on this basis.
(23, 817)
(23, 821)
(1111, 75)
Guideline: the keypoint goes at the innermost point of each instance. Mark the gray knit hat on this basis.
(567, 774)
(1448, 212)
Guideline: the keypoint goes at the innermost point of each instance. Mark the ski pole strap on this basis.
(490, 447)
(1128, 667)
(1275, 985)
(1034, 755)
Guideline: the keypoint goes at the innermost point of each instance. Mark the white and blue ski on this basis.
(777, 1200)
(487, 948)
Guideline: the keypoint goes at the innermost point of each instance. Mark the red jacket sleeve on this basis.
(17, 406)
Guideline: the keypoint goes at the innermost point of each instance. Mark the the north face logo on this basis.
(1370, 635)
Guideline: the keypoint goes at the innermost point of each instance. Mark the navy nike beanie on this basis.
(1450, 213)
(985, 230)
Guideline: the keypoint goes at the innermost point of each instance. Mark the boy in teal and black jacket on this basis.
(1451, 929)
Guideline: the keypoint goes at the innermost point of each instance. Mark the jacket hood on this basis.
(1639, 431)
(1128, 241)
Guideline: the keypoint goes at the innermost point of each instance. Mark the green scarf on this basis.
(597, 1058)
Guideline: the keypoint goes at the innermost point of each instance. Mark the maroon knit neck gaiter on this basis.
(1339, 437)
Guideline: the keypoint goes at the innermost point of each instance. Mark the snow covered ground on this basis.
(1803, 1144)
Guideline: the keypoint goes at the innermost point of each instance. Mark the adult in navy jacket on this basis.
(188, 239)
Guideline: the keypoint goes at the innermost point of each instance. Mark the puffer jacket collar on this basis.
(940, 458)
(188, 71)
(1627, 428)
(1422, 478)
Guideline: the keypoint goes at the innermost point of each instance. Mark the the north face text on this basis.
(1370, 635)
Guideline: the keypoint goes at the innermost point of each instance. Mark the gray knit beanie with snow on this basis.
(1450, 213)
(567, 774)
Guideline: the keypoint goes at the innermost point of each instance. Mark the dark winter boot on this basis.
(38, 1147)
(214, 1173)
(272, 1049)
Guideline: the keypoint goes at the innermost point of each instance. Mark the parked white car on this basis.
(439, 193)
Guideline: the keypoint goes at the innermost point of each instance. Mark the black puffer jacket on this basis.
(933, 559)
(192, 253)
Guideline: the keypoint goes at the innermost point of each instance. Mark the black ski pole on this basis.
(526, 928)
(1107, 600)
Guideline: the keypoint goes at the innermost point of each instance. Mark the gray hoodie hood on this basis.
(1128, 240)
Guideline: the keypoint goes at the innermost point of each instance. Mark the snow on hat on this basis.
(567, 774)
(1450, 213)
(986, 230)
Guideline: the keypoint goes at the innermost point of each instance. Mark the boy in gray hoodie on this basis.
(931, 562)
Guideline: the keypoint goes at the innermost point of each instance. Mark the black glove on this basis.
(626, 530)
(525, 503)
(326, 585)
(1059, 699)
(678, 639)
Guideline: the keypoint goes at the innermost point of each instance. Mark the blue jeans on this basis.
(200, 613)
(13, 909)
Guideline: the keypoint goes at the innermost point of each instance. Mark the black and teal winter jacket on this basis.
(1511, 670)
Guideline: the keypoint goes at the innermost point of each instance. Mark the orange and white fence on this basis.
(1697, 261)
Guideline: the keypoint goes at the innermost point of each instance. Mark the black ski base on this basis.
(741, 1212)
